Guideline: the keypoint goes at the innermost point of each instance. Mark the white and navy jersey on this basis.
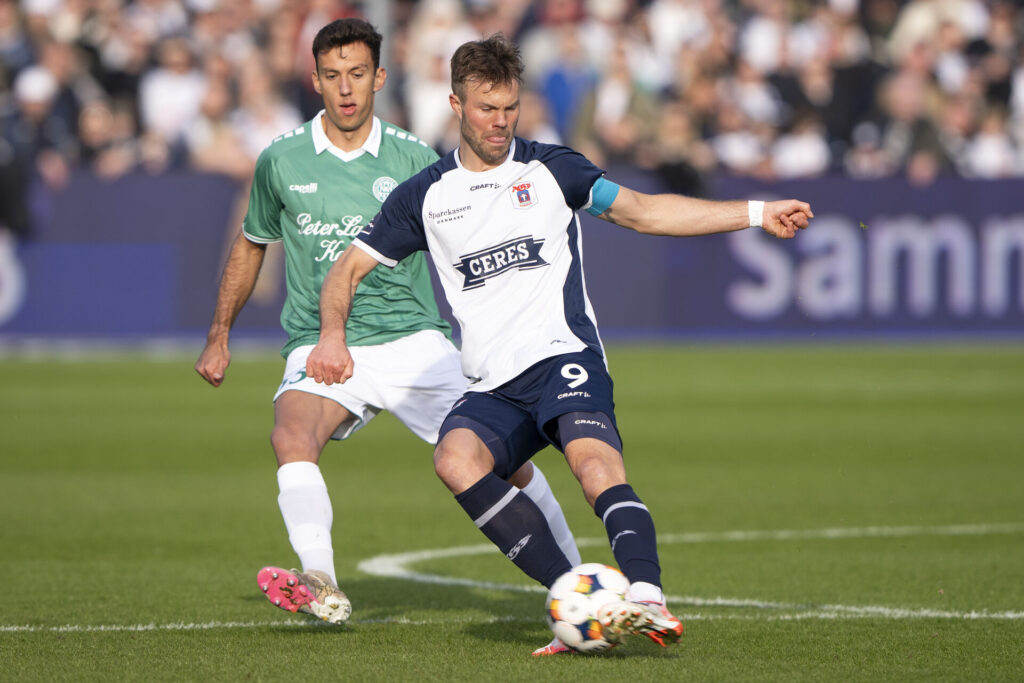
(507, 246)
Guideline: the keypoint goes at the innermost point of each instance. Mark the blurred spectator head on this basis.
(107, 146)
(169, 97)
(261, 115)
(35, 89)
(865, 157)
(959, 116)
(557, 12)
(218, 101)
(736, 142)
(484, 17)
(175, 55)
(803, 151)
(37, 15)
(991, 153)
(96, 125)
(535, 119)
(904, 96)
(678, 140)
(15, 47)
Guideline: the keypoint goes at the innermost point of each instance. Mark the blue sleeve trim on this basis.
(602, 194)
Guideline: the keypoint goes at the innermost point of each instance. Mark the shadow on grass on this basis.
(377, 599)
(501, 615)
(533, 636)
(382, 598)
(508, 617)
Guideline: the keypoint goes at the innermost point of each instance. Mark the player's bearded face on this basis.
(489, 114)
(347, 80)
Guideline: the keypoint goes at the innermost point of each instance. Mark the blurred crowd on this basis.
(685, 88)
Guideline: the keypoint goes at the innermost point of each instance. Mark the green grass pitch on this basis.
(829, 513)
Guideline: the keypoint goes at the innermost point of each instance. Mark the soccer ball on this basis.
(574, 600)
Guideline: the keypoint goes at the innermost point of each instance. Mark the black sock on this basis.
(631, 533)
(516, 525)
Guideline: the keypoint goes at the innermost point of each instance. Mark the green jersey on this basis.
(316, 198)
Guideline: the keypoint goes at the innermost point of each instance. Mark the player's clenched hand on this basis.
(329, 362)
(783, 218)
(213, 362)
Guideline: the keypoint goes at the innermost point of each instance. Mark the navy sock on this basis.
(517, 526)
(631, 533)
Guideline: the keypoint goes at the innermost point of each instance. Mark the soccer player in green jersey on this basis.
(314, 189)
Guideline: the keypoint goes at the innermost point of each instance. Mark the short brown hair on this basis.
(342, 32)
(495, 60)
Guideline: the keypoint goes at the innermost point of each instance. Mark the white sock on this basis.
(540, 493)
(641, 591)
(308, 515)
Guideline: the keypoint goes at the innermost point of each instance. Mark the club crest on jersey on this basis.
(524, 195)
(382, 187)
(520, 253)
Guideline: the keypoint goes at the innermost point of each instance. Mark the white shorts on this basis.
(417, 378)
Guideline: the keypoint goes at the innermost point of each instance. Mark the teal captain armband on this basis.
(602, 194)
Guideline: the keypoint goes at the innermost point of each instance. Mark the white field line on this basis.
(826, 613)
(842, 533)
(396, 566)
(174, 626)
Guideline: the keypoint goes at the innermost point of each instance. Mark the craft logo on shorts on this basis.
(382, 187)
(520, 253)
(524, 195)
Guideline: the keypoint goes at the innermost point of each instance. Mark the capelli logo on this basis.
(308, 188)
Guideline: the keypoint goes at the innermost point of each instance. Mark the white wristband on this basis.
(755, 212)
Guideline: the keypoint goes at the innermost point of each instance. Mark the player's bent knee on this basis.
(595, 470)
(461, 459)
(291, 445)
(596, 462)
(596, 477)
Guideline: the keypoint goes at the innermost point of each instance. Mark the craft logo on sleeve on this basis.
(524, 195)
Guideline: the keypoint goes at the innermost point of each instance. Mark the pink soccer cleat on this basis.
(311, 592)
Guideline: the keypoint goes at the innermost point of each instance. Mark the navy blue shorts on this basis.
(519, 419)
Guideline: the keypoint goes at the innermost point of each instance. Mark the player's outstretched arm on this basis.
(680, 216)
(236, 284)
(330, 361)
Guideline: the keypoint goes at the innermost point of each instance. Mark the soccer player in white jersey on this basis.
(498, 216)
(314, 189)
